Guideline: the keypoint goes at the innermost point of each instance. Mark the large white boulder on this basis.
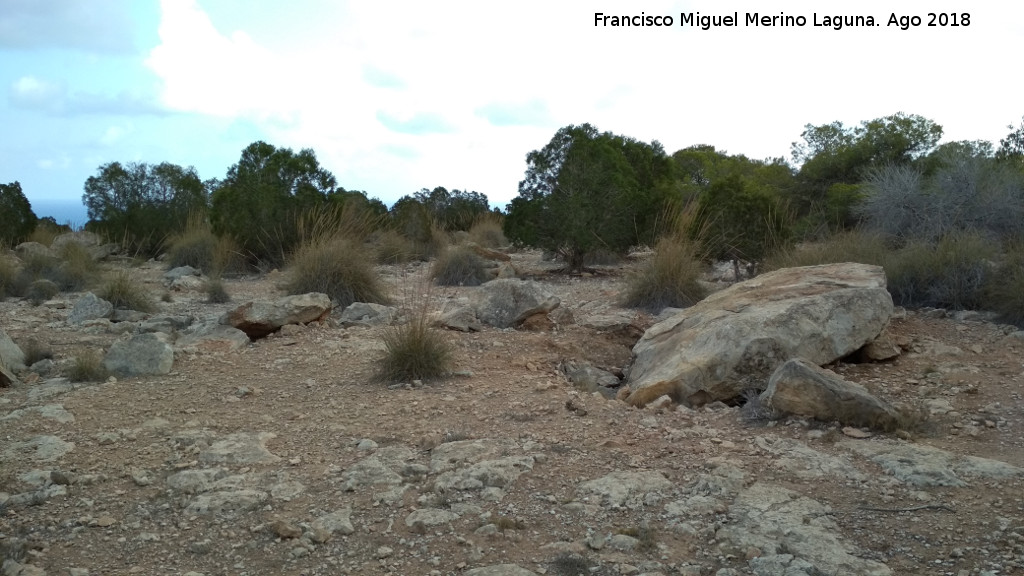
(734, 339)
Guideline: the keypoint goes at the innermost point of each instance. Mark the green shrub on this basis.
(1004, 286)
(850, 246)
(414, 351)
(88, 367)
(338, 267)
(8, 278)
(459, 266)
(124, 293)
(487, 231)
(41, 290)
(669, 278)
(946, 274)
(215, 291)
(195, 248)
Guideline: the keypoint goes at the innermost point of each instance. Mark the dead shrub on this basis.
(459, 266)
(88, 367)
(124, 293)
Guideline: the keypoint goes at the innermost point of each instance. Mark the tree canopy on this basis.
(589, 190)
(16, 217)
(142, 204)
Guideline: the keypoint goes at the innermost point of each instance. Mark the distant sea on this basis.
(63, 211)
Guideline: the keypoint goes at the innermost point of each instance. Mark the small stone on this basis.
(855, 432)
(285, 529)
(105, 521)
(383, 552)
(366, 445)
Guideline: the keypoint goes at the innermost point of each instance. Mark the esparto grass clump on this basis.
(413, 349)
(124, 293)
(669, 278)
(338, 267)
(459, 266)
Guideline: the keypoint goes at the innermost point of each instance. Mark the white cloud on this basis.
(396, 96)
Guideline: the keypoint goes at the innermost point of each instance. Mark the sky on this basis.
(399, 95)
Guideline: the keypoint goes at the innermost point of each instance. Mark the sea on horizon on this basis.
(71, 212)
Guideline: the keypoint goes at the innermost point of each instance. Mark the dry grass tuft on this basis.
(669, 278)
(88, 367)
(338, 267)
(459, 266)
(124, 293)
(487, 231)
(414, 350)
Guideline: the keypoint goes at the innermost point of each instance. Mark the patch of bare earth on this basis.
(292, 429)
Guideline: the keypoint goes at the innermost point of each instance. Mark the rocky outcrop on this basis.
(734, 339)
(11, 356)
(140, 355)
(805, 389)
(505, 303)
(258, 319)
(90, 307)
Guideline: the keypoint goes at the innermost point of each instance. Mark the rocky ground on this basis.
(283, 456)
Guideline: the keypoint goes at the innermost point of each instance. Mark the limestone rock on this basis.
(925, 466)
(82, 238)
(734, 339)
(180, 272)
(11, 355)
(241, 448)
(337, 522)
(504, 303)
(461, 318)
(881, 348)
(366, 314)
(28, 250)
(500, 570)
(625, 488)
(776, 520)
(802, 388)
(258, 319)
(90, 307)
(211, 336)
(142, 354)
(43, 448)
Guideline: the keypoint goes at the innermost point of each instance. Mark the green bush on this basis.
(1004, 286)
(850, 246)
(16, 217)
(88, 367)
(124, 293)
(8, 278)
(669, 278)
(338, 267)
(41, 290)
(414, 351)
(459, 266)
(946, 274)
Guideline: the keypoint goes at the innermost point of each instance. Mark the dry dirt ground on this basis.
(321, 470)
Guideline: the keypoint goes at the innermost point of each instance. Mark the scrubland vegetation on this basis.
(946, 220)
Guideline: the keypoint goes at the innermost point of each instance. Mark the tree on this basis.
(740, 219)
(588, 190)
(142, 204)
(836, 154)
(1011, 148)
(16, 217)
(262, 196)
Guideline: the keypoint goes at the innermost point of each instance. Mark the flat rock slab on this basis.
(805, 462)
(49, 411)
(227, 503)
(780, 521)
(140, 355)
(90, 307)
(44, 448)
(258, 319)
(734, 339)
(240, 448)
(337, 522)
(925, 466)
(625, 488)
(500, 570)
